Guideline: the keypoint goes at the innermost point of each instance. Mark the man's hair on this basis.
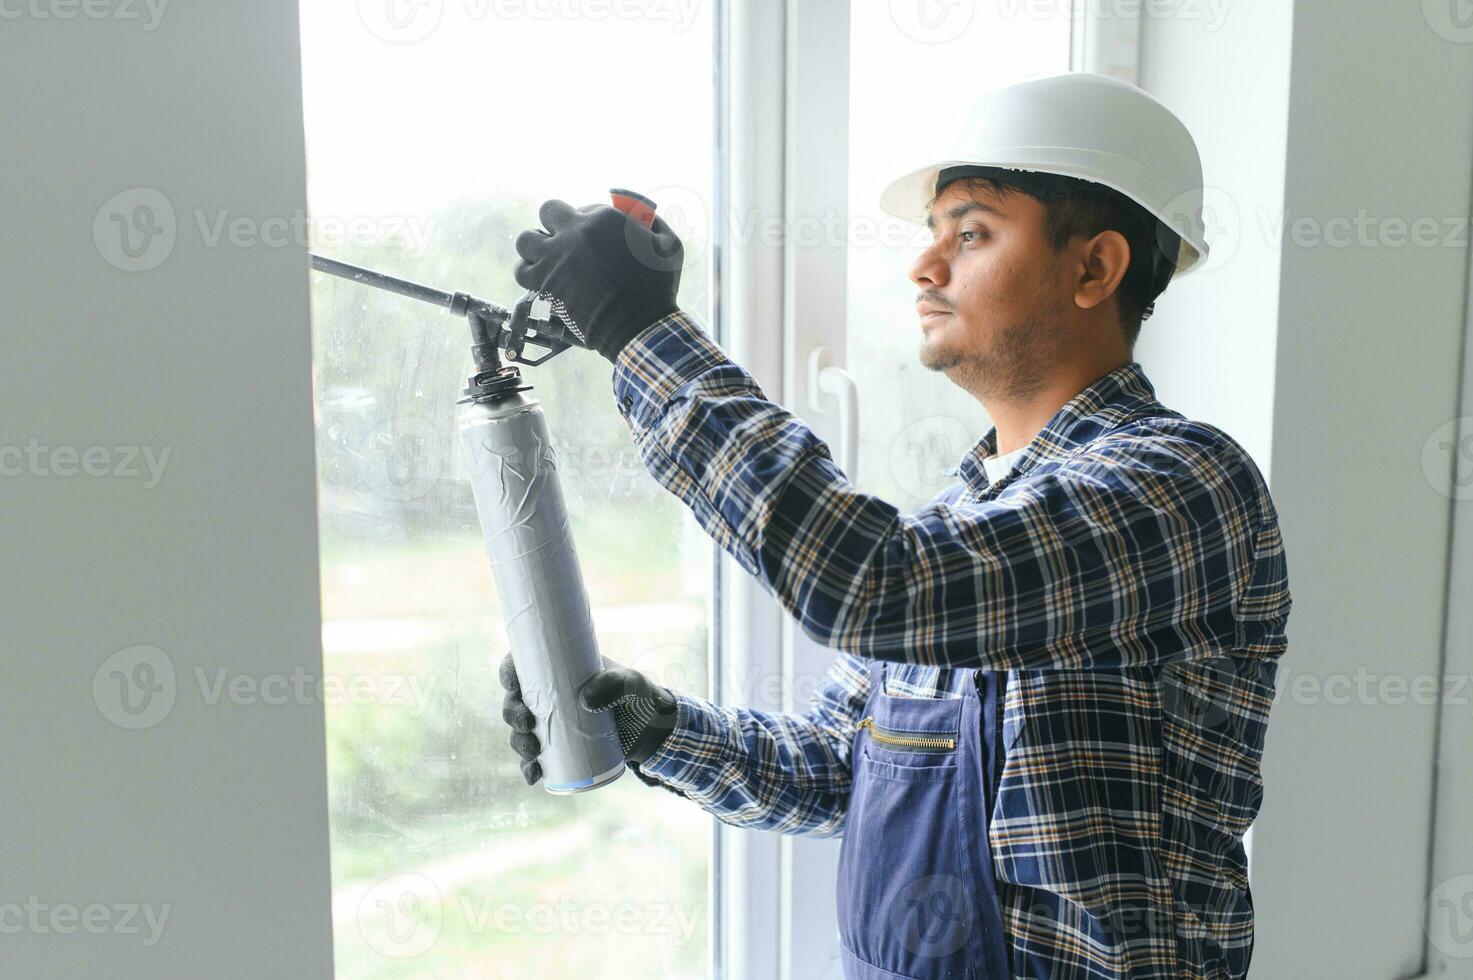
(1080, 208)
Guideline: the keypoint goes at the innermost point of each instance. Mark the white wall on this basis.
(1333, 365)
(214, 815)
(1209, 346)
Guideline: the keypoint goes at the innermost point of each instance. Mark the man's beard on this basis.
(1015, 363)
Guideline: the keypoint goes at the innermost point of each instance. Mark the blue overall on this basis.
(916, 897)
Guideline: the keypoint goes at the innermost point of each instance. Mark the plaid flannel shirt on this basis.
(1127, 574)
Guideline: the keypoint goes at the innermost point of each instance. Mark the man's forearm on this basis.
(1134, 549)
(760, 770)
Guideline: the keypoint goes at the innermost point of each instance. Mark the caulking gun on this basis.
(524, 519)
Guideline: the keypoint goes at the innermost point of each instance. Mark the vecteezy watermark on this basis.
(138, 687)
(41, 918)
(404, 915)
(933, 915)
(408, 21)
(1227, 226)
(400, 917)
(924, 456)
(135, 229)
(1450, 19)
(146, 12)
(568, 917)
(121, 462)
(1449, 917)
(1365, 230)
(1212, 13)
(313, 231)
(1221, 221)
(401, 21)
(1365, 687)
(689, 214)
(686, 669)
(932, 21)
(135, 687)
(1447, 458)
(410, 691)
(404, 455)
(138, 229)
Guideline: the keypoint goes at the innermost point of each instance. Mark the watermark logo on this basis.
(924, 456)
(932, 21)
(1449, 917)
(401, 916)
(1447, 459)
(672, 665)
(933, 915)
(1221, 222)
(138, 687)
(135, 229)
(401, 21)
(135, 687)
(688, 216)
(1450, 19)
(1199, 707)
(1226, 226)
(406, 457)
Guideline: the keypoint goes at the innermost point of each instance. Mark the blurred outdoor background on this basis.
(444, 863)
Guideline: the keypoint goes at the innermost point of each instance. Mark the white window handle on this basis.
(831, 379)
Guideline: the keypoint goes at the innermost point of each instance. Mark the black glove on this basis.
(644, 713)
(612, 276)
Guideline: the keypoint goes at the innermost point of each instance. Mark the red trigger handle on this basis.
(637, 206)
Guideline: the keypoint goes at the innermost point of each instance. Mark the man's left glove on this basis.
(644, 713)
(613, 276)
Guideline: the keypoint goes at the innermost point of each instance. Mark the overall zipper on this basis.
(914, 741)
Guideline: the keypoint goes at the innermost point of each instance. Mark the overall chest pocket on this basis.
(888, 752)
(905, 900)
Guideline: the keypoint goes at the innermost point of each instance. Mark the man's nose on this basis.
(930, 269)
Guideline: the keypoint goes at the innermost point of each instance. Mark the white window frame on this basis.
(1452, 847)
(783, 98)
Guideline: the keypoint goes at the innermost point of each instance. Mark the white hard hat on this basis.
(1091, 127)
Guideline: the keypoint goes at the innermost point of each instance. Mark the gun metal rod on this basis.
(368, 277)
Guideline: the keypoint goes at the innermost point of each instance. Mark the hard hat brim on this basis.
(906, 197)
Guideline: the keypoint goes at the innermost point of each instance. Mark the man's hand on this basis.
(613, 276)
(644, 712)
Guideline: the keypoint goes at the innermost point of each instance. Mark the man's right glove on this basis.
(612, 276)
(644, 713)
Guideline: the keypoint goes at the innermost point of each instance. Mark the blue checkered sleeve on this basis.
(1131, 552)
(788, 773)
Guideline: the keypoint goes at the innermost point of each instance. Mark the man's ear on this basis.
(1104, 260)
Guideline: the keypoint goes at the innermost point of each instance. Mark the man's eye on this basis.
(976, 234)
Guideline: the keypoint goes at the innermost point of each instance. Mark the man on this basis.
(1041, 734)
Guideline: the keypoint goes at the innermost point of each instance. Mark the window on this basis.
(434, 131)
(858, 115)
(914, 423)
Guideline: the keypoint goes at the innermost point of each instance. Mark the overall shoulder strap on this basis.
(877, 676)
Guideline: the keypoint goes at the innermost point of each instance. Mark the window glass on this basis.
(915, 68)
(434, 130)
